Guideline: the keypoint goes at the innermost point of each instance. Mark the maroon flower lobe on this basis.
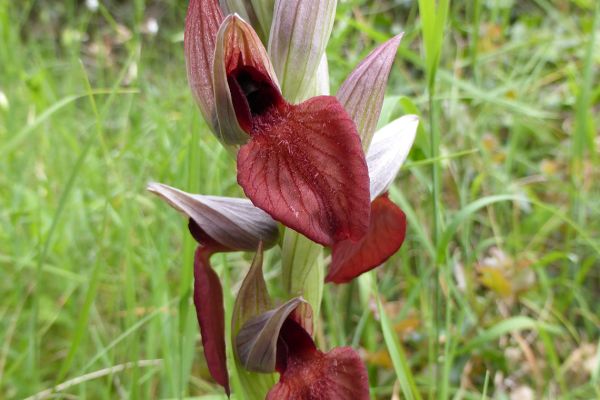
(308, 374)
(208, 299)
(386, 234)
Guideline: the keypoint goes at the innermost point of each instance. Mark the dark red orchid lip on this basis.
(307, 373)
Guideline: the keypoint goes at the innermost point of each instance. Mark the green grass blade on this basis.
(396, 351)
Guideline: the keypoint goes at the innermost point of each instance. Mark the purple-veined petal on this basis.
(208, 300)
(201, 25)
(237, 46)
(256, 342)
(299, 35)
(362, 92)
(234, 223)
(388, 151)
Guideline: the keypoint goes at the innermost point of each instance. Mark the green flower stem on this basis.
(302, 269)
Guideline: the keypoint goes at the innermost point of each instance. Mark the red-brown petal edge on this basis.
(208, 299)
(307, 373)
(386, 234)
(201, 26)
(305, 167)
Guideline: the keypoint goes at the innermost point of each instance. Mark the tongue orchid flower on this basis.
(301, 163)
(219, 224)
(270, 339)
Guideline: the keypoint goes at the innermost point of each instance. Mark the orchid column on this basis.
(305, 160)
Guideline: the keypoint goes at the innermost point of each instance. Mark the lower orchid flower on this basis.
(279, 339)
(219, 224)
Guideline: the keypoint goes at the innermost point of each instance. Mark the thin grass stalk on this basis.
(583, 137)
(433, 20)
(185, 284)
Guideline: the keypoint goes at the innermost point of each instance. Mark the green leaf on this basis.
(403, 372)
(506, 326)
(433, 22)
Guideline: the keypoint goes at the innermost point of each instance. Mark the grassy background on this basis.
(495, 294)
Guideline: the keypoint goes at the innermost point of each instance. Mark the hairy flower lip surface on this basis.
(253, 95)
(305, 167)
(232, 222)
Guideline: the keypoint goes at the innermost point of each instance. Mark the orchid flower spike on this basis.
(279, 339)
(314, 164)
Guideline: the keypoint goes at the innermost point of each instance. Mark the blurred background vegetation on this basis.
(96, 273)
